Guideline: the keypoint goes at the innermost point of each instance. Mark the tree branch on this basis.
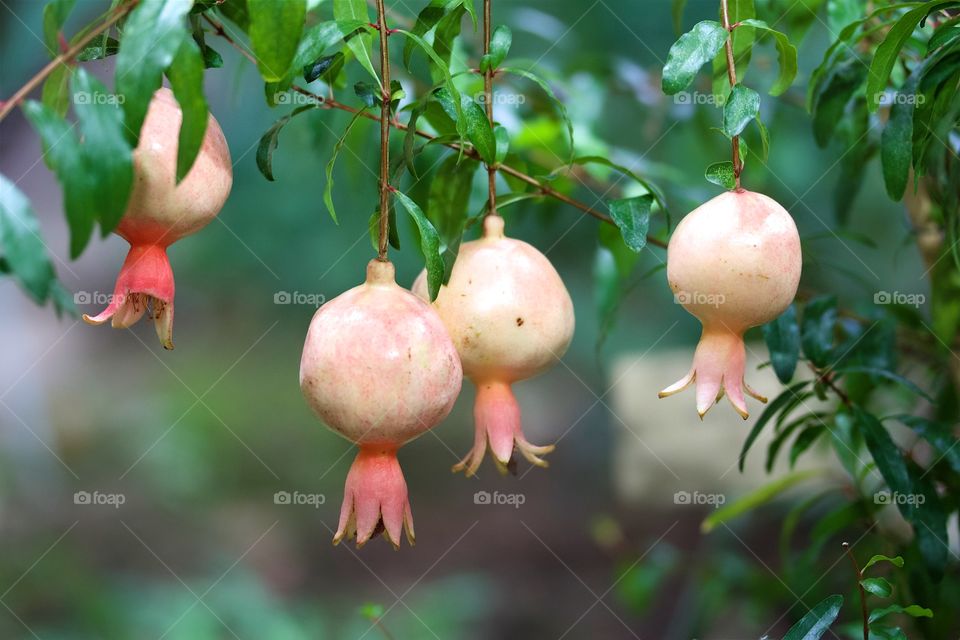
(732, 76)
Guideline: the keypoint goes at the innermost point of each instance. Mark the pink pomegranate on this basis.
(734, 263)
(379, 368)
(511, 318)
(161, 212)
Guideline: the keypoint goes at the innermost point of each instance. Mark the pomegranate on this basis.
(160, 212)
(511, 318)
(734, 263)
(379, 368)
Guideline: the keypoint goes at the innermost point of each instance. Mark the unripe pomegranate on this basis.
(510, 318)
(379, 368)
(160, 212)
(734, 263)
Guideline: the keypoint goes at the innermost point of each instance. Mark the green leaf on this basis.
(105, 155)
(104, 49)
(328, 189)
(742, 41)
(877, 586)
(889, 375)
(151, 39)
(56, 89)
(360, 40)
(63, 155)
(771, 410)
(426, 21)
(764, 138)
(186, 80)
(786, 56)
(888, 457)
(741, 107)
(275, 29)
(270, 140)
(754, 499)
(502, 137)
(803, 442)
(830, 102)
(783, 341)
(818, 621)
(474, 121)
(690, 52)
(54, 15)
(429, 244)
(938, 434)
(557, 102)
(721, 174)
(316, 40)
(20, 243)
(676, 11)
(896, 561)
(368, 94)
(632, 217)
(914, 610)
(888, 52)
(817, 329)
(500, 41)
(325, 68)
(447, 204)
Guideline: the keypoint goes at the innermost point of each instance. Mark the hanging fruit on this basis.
(511, 318)
(734, 263)
(160, 212)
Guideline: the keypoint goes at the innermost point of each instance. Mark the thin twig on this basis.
(385, 97)
(488, 96)
(863, 593)
(732, 76)
(64, 58)
(542, 188)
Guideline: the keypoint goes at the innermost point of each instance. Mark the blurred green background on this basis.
(199, 440)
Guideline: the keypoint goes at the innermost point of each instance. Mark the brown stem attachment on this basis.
(64, 58)
(542, 188)
(732, 76)
(863, 593)
(385, 98)
(488, 97)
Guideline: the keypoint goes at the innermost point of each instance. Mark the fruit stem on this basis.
(863, 594)
(63, 59)
(488, 99)
(732, 76)
(385, 97)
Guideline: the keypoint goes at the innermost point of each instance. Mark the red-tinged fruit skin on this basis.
(160, 212)
(379, 368)
(511, 318)
(734, 263)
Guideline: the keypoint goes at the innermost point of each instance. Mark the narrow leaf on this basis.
(186, 80)
(690, 52)
(429, 244)
(817, 622)
(20, 243)
(275, 29)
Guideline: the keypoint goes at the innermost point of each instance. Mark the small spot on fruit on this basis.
(519, 322)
